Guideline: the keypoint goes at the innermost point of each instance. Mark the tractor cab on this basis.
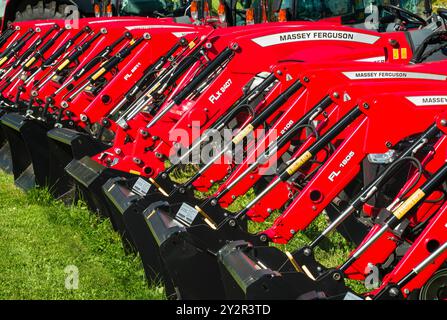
(152, 8)
(380, 15)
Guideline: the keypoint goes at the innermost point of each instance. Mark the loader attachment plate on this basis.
(29, 150)
(186, 250)
(250, 272)
(64, 146)
(5, 151)
(89, 177)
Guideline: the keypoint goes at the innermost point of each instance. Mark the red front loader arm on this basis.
(181, 117)
(369, 136)
(426, 243)
(388, 242)
(91, 108)
(275, 200)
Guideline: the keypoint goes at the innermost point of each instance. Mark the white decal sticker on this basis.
(361, 75)
(214, 97)
(346, 97)
(181, 34)
(186, 214)
(287, 127)
(141, 187)
(315, 35)
(381, 59)
(135, 68)
(428, 100)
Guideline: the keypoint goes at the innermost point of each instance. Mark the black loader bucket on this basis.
(64, 145)
(89, 177)
(5, 151)
(126, 204)
(250, 272)
(124, 196)
(29, 150)
(188, 243)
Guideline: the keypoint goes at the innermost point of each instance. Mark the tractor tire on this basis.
(40, 10)
(436, 287)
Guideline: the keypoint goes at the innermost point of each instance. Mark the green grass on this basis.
(331, 253)
(40, 237)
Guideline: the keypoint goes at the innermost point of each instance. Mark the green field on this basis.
(39, 238)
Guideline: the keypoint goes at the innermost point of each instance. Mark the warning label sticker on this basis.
(428, 100)
(141, 187)
(186, 214)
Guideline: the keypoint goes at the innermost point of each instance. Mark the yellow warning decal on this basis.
(299, 163)
(403, 53)
(135, 172)
(191, 45)
(30, 62)
(395, 54)
(244, 132)
(98, 74)
(4, 59)
(63, 65)
(400, 212)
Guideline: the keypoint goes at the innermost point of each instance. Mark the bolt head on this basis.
(443, 122)
(336, 95)
(394, 292)
(232, 223)
(307, 252)
(83, 118)
(336, 276)
(393, 42)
